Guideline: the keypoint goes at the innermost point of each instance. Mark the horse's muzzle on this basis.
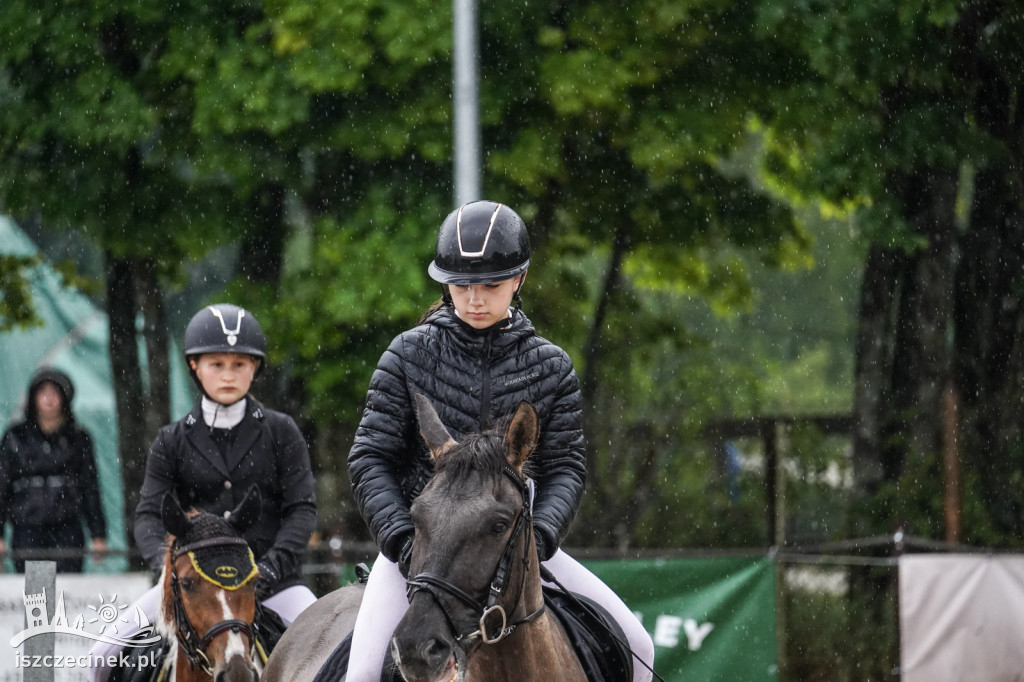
(236, 670)
(430, 658)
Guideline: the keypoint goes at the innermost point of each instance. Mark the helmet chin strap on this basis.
(517, 300)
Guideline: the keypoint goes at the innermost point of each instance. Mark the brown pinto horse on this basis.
(209, 600)
(476, 609)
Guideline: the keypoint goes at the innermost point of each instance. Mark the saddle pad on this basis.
(587, 624)
(136, 670)
(590, 628)
(336, 665)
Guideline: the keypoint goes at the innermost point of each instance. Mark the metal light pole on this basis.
(465, 97)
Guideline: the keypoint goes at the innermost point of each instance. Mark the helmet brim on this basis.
(466, 278)
(240, 350)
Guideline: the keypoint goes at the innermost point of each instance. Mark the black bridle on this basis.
(435, 585)
(189, 640)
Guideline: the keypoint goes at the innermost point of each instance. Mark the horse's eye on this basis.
(188, 585)
(499, 528)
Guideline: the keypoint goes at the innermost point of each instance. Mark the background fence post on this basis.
(40, 578)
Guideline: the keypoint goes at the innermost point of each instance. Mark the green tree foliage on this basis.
(316, 135)
(910, 113)
(16, 308)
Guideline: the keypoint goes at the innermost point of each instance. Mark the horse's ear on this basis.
(248, 510)
(522, 435)
(176, 521)
(433, 431)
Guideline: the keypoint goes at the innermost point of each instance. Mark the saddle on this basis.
(595, 636)
(270, 627)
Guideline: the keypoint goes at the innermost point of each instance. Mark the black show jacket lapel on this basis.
(249, 431)
(198, 434)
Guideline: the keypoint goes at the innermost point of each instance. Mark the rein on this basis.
(436, 585)
(189, 640)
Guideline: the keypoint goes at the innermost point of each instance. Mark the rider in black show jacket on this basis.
(467, 372)
(268, 450)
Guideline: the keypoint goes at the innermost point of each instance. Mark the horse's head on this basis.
(209, 599)
(474, 548)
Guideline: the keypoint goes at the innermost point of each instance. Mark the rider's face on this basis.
(482, 305)
(226, 377)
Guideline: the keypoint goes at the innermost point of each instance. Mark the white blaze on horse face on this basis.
(236, 644)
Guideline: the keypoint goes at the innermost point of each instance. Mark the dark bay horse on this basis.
(208, 609)
(476, 609)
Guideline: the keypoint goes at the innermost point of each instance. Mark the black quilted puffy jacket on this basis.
(473, 378)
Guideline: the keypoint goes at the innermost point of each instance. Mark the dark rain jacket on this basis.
(49, 479)
(473, 378)
(267, 450)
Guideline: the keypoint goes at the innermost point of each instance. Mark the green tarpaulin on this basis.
(73, 338)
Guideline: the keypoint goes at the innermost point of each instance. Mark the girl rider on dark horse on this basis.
(210, 458)
(475, 356)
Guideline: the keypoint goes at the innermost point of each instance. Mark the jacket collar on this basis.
(198, 434)
(498, 337)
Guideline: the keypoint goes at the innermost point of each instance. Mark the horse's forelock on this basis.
(478, 452)
(205, 526)
(485, 452)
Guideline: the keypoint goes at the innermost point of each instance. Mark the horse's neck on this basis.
(530, 654)
(534, 650)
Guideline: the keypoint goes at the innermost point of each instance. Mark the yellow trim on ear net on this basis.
(232, 572)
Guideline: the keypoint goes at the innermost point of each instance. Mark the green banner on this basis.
(711, 619)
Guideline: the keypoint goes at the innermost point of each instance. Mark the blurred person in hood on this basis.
(48, 483)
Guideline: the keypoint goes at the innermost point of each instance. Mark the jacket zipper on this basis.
(485, 393)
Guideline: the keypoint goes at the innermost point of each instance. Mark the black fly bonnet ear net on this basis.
(217, 552)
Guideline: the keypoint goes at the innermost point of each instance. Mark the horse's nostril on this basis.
(434, 650)
(237, 670)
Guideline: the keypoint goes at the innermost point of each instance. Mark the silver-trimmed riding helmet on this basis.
(225, 328)
(480, 243)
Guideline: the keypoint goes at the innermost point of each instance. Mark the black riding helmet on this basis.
(481, 242)
(225, 328)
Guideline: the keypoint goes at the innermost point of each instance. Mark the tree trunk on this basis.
(592, 350)
(262, 249)
(151, 303)
(922, 359)
(259, 262)
(124, 364)
(903, 354)
(990, 344)
(873, 363)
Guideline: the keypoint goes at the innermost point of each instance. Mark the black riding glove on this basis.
(544, 552)
(265, 581)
